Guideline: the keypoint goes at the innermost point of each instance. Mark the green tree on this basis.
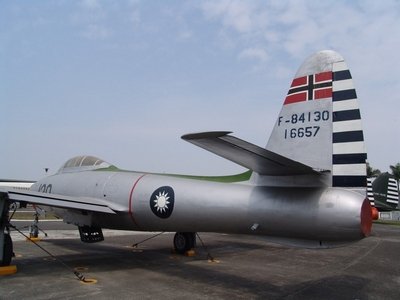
(396, 171)
(371, 172)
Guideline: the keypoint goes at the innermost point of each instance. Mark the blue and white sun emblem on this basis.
(162, 201)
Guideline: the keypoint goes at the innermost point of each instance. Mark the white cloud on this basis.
(254, 53)
(90, 4)
(235, 14)
(185, 34)
(96, 31)
(91, 18)
(296, 27)
(134, 12)
(364, 32)
(216, 44)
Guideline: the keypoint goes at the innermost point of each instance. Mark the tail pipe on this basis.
(366, 217)
(375, 213)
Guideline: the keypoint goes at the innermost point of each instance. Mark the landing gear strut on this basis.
(184, 241)
(7, 251)
(6, 246)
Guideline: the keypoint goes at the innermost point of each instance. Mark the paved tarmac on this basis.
(247, 267)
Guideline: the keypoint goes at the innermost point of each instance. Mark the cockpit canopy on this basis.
(83, 163)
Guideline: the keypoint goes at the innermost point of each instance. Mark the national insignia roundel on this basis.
(162, 202)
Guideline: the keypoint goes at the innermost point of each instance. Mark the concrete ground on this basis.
(247, 267)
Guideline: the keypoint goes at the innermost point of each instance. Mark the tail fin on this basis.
(385, 192)
(320, 123)
(317, 139)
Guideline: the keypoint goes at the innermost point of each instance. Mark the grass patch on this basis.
(387, 222)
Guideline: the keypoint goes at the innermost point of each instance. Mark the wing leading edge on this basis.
(255, 158)
(55, 200)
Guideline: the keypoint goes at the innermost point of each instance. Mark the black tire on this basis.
(8, 251)
(184, 241)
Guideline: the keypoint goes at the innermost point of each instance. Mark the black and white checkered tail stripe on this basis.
(349, 156)
(392, 192)
(370, 193)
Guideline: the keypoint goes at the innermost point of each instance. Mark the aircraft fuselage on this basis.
(150, 202)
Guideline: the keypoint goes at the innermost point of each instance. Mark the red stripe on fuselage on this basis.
(130, 200)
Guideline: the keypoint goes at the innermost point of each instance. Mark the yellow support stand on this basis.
(190, 253)
(33, 239)
(88, 281)
(8, 270)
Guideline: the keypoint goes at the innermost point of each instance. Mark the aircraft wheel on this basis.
(8, 251)
(184, 241)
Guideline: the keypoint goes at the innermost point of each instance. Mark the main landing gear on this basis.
(7, 255)
(184, 241)
(6, 245)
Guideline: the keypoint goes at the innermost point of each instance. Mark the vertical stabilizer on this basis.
(385, 192)
(320, 123)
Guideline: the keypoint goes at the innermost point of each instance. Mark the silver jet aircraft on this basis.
(306, 187)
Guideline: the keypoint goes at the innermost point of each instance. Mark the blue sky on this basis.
(123, 80)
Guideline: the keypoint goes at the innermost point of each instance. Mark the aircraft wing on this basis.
(250, 156)
(54, 200)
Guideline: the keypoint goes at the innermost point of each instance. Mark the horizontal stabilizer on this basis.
(250, 156)
(54, 200)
